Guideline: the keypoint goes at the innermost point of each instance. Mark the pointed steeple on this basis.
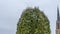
(57, 13)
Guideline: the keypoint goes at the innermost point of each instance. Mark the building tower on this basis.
(58, 22)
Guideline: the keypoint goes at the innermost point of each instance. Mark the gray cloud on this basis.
(6, 31)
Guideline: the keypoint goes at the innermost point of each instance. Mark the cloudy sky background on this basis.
(11, 10)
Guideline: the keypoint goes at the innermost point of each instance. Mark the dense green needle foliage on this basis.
(33, 21)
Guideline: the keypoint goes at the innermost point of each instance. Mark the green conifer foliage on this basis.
(33, 21)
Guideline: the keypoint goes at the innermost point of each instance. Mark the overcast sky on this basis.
(11, 10)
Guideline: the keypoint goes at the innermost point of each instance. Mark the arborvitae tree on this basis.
(33, 21)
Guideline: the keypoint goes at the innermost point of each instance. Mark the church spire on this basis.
(57, 13)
